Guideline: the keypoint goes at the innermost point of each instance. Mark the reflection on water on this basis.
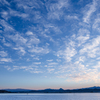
(63, 96)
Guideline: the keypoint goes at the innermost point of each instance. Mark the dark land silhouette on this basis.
(82, 90)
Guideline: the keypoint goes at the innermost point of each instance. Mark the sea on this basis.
(52, 96)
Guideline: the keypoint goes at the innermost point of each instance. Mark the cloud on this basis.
(37, 63)
(67, 54)
(88, 13)
(92, 48)
(88, 77)
(55, 10)
(31, 68)
(52, 63)
(18, 14)
(4, 2)
(3, 54)
(77, 72)
(32, 40)
(5, 59)
(50, 60)
(21, 50)
(18, 39)
(83, 36)
(6, 43)
(50, 27)
(96, 25)
(36, 71)
(7, 26)
(29, 33)
(97, 66)
(71, 17)
(29, 4)
(80, 59)
(7, 14)
(39, 50)
(50, 70)
(82, 39)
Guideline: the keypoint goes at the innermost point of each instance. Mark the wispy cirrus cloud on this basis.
(5, 60)
(88, 13)
(3, 54)
(67, 54)
(56, 10)
(92, 48)
(96, 25)
(39, 50)
(83, 36)
(6, 26)
(71, 17)
(4, 2)
(20, 49)
(11, 13)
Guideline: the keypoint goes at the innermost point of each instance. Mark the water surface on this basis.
(58, 96)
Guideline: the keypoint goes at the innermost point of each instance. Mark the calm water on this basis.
(66, 96)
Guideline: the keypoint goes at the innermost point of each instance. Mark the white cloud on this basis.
(52, 63)
(32, 40)
(67, 54)
(29, 33)
(28, 5)
(96, 24)
(39, 50)
(71, 17)
(7, 27)
(78, 72)
(88, 13)
(50, 60)
(21, 50)
(98, 58)
(7, 44)
(93, 75)
(7, 67)
(36, 71)
(5, 15)
(82, 39)
(4, 2)
(3, 54)
(92, 49)
(5, 59)
(80, 59)
(16, 13)
(8, 14)
(18, 39)
(50, 70)
(83, 36)
(31, 69)
(37, 63)
(97, 66)
(55, 10)
(83, 31)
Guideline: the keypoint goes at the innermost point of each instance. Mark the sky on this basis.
(49, 44)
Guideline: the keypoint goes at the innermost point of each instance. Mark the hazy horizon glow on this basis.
(49, 44)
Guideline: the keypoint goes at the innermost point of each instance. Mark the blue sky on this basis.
(49, 44)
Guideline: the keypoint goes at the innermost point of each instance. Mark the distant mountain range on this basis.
(82, 90)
